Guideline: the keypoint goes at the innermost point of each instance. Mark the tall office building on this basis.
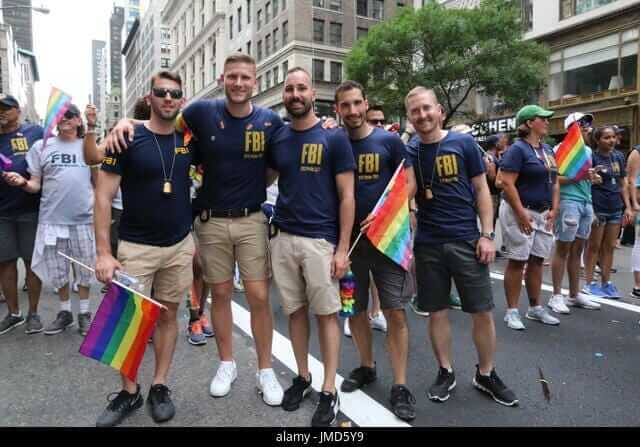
(19, 16)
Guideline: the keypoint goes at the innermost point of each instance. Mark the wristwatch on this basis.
(491, 236)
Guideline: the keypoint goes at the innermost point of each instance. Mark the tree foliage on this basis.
(453, 51)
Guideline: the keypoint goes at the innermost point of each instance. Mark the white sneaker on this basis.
(238, 285)
(269, 387)
(557, 305)
(378, 322)
(513, 320)
(221, 384)
(347, 329)
(542, 315)
(583, 301)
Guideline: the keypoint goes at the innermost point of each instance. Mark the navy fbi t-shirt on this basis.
(15, 145)
(451, 214)
(377, 159)
(233, 152)
(536, 173)
(308, 162)
(607, 197)
(149, 216)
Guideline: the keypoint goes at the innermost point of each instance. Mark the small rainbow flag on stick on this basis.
(120, 331)
(58, 104)
(390, 232)
(572, 156)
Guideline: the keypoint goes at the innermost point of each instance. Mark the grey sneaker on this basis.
(84, 321)
(542, 315)
(34, 325)
(62, 321)
(10, 322)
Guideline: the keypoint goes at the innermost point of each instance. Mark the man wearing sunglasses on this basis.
(231, 138)
(18, 218)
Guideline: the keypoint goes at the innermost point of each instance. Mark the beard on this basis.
(356, 124)
(299, 113)
(164, 115)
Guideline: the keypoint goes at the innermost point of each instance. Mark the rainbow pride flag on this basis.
(181, 126)
(572, 156)
(120, 331)
(58, 104)
(390, 232)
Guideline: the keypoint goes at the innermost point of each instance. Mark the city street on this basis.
(589, 362)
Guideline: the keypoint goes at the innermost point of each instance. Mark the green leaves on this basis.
(452, 51)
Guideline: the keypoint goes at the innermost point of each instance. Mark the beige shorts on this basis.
(520, 246)
(224, 241)
(302, 273)
(168, 269)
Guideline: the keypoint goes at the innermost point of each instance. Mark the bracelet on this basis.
(91, 132)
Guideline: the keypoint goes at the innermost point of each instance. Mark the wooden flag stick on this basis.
(115, 282)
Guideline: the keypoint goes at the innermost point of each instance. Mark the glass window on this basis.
(285, 32)
(361, 32)
(275, 40)
(267, 45)
(335, 34)
(248, 11)
(259, 19)
(336, 72)
(318, 30)
(318, 70)
(259, 50)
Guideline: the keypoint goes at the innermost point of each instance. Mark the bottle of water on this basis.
(127, 280)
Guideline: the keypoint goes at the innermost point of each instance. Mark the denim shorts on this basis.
(574, 221)
(608, 218)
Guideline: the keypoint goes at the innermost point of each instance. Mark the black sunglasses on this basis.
(375, 122)
(70, 115)
(162, 93)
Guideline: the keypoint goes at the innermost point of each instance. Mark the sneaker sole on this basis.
(563, 312)
(419, 312)
(199, 343)
(485, 390)
(10, 328)
(580, 306)
(305, 393)
(442, 399)
(33, 331)
(58, 331)
(540, 321)
(139, 403)
(361, 387)
(261, 393)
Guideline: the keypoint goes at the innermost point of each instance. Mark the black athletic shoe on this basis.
(440, 390)
(296, 393)
(402, 403)
(121, 406)
(359, 378)
(162, 408)
(493, 386)
(327, 410)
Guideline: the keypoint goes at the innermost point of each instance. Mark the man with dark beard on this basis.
(378, 154)
(314, 218)
(156, 245)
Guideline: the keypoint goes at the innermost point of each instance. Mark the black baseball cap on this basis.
(9, 101)
(73, 110)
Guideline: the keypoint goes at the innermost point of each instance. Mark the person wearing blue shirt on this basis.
(612, 209)
(633, 178)
(314, 217)
(18, 219)
(156, 245)
(378, 155)
(528, 213)
(572, 230)
(452, 194)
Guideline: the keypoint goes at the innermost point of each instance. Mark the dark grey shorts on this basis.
(392, 282)
(17, 237)
(437, 265)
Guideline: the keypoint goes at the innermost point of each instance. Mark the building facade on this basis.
(114, 102)
(19, 16)
(99, 78)
(18, 73)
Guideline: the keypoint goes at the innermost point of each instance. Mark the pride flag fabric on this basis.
(120, 330)
(572, 156)
(390, 232)
(57, 106)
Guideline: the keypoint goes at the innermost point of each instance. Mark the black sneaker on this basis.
(327, 410)
(493, 386)
(296, 393)
(162, 409)
(359, 378)
(635, 293)
(440, 390)
(402, 403)
(120, 406)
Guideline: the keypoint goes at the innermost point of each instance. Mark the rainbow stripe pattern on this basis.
(5, 163)
(120, 331)
(347, 295)
(181, 126)
(57, 106)
(572, 157)
(390, 232)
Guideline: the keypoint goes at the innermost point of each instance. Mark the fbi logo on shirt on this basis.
(368, 167)
(182, 151)
(254, 144)
(311, 160)
(19, 145)
(447, 168)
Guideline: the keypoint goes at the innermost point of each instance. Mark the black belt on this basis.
(539, 208)
(205, 215)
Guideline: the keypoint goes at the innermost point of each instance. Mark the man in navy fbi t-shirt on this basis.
(18, 214)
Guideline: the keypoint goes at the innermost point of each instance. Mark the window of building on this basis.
(275, 10)
(259, 82)
(335, 34)
(285, 69)
(318, 70)
(239, 19)
(249, 48)
(284, 4)
(248, 11)
(361, 32)
(527, 14)
(268, 79)
(231, 27)
(336, 72)
(370, 8)
(335, 5)
(275, 75)
(275, 39)
(259, 50)
(285, 33)
(318, 30)
(259, 19)
(267, 45)
(267, 12)
(605, 64)
(570, 8)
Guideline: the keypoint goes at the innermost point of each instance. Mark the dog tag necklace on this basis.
(428, 189)
(167, 186)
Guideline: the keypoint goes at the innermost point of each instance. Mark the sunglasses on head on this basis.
(162, 93)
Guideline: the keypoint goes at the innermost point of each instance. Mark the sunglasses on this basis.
(70, 115)
(162, 93)
(377, 122)
(584, 123)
